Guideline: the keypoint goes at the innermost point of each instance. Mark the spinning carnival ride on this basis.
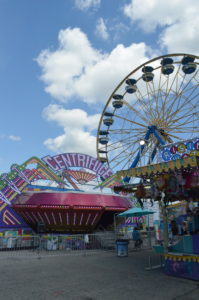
(49, 193)
(156, 104)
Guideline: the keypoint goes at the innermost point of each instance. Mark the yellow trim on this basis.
(3, 205)
(177, 204)
(158, 168)
(182, 257)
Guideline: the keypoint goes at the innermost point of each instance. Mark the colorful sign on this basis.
(70, 160)
(158, 168)
(10, 219)
(142, 220)
(180, 150)
(133, 221)
(182, 266)
(19, 177)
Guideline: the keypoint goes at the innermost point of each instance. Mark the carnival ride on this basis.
(50, 192)
(63, 211)
(155, 104)
(148, 131)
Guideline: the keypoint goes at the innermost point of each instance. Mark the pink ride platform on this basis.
(70, 211)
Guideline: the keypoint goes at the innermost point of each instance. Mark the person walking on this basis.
(184, 228)
(136, 237)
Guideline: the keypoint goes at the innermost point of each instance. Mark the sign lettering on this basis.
(180, 150)
(68, 160)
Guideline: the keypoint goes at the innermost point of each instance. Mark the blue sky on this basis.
(61, 59)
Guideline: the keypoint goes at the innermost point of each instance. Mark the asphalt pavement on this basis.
(90, 276)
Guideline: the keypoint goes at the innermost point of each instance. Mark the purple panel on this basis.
(10, 219)
(183, 269)
(195, 271)
(195, 244)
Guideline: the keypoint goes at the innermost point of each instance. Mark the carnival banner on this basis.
(68, 160)
(179, 150)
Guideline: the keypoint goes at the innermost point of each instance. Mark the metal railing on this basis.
(41, 245)
(148, 240)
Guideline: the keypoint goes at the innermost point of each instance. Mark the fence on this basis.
(56, 244)
(148, 240)
(64, 244)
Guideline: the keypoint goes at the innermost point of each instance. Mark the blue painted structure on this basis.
(152, 130)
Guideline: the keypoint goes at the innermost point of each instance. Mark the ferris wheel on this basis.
(155, 104)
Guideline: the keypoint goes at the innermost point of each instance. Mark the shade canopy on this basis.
(135, 212)
(163, 167)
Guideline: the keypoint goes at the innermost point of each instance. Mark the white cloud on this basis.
(76, 69)
(85, 5)
(11, 137)
(77, 126)
(101, 29)
(14, 138)
(182, 37)
(118, 29)
(62, 68)
(178, 19)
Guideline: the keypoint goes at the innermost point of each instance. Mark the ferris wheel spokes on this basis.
(159, 105)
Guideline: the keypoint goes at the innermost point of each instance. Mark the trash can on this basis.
(122, 247)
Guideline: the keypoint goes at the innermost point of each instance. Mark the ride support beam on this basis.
(141, 149)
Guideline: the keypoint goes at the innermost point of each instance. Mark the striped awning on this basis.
(163, 167)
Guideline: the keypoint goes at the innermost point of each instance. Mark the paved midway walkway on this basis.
(97, 276)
